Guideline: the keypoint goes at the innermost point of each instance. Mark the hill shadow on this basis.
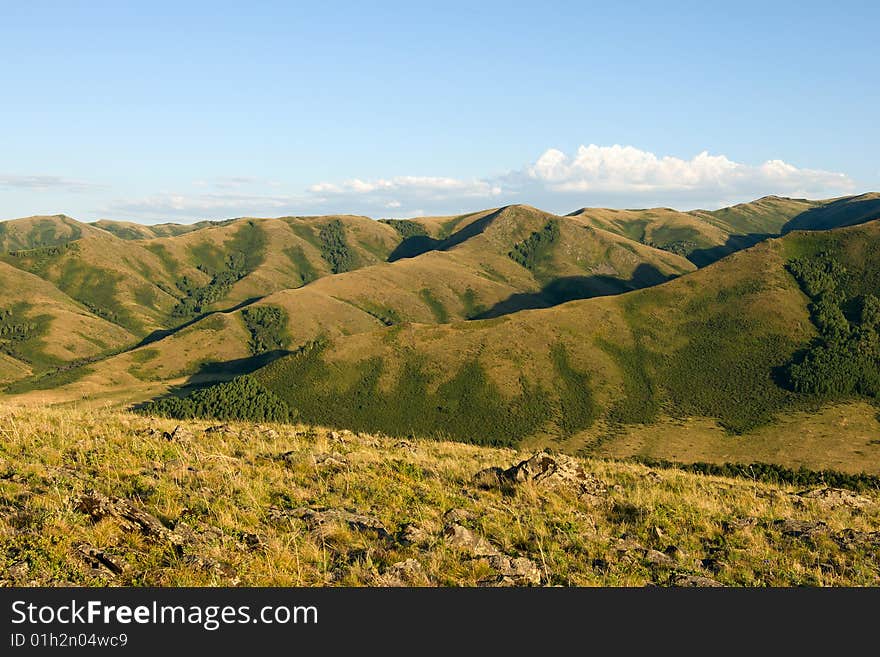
(416, 245)
(210, 374)
(158, 334)
(572, 288)
(844, 212)
(734, 243)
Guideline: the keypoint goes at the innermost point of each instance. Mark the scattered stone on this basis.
(220, 428)
(406, 568)
(543, 469)
(657, 558)
(739, 523)
(179, 434)
(675, 552)
(18, 570)
(334, 436)
(832, 498)
(99, 559)
(412, 534)
(318, 519)
(462, 538)
(513, 571)
(406, 445)
(850, 539)
(457, 516)
(332, 461)
(686, 580)
(220, 568)
(252, 541)
(801, 528)
(99, 506)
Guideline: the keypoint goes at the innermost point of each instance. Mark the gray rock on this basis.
(462, 538)
(801, 528)
(317, 518)
(18, 570)
(99, 559)
(515, 571)
(686, 580)
(98, 506)
(412, 534)
(851, 539)
(333, 462)
(179, 434)
(459, 516)
(657, 558)
(543, 470)
(833, 498)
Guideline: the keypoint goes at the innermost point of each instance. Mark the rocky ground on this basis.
(102, 498)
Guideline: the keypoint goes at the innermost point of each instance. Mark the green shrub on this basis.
(243, 398)
(577, 408)
(21, 335)
(537, 247)
(244, 252)
(406, 227)
(845, 359)
(437, 308)
(773, 474)
(267, 326)
(467, 407)
(307, 272)
(335, 249)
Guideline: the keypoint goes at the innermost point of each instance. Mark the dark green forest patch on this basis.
(267, 326)
(335, 249)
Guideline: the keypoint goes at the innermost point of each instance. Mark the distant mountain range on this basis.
(591, 331)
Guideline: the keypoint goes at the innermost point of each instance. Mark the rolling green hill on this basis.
(737, 342)
(593, 332)
(37, 232)
(491, 264)
(705, 236)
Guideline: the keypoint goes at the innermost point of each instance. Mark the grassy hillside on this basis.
(475, 272)
(37, 232)
(42, 328)
(705, 236)
(100, 498)
(128, 230)
(723, 343)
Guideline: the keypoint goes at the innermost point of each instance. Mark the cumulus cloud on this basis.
(614, 176)
(430, 188)
(175, 205)
(629, 170)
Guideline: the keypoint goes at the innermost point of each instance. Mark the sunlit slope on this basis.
(705, 236)
(706, 344)
(41, 231)
(41, 327)
(466, 277)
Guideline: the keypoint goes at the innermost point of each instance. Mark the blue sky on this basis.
(181, 111)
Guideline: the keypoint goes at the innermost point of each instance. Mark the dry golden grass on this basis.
(229, 494)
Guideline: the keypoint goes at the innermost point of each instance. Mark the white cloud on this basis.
(44, 182)
(626, 169)
(614, 176)
(427, 187)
